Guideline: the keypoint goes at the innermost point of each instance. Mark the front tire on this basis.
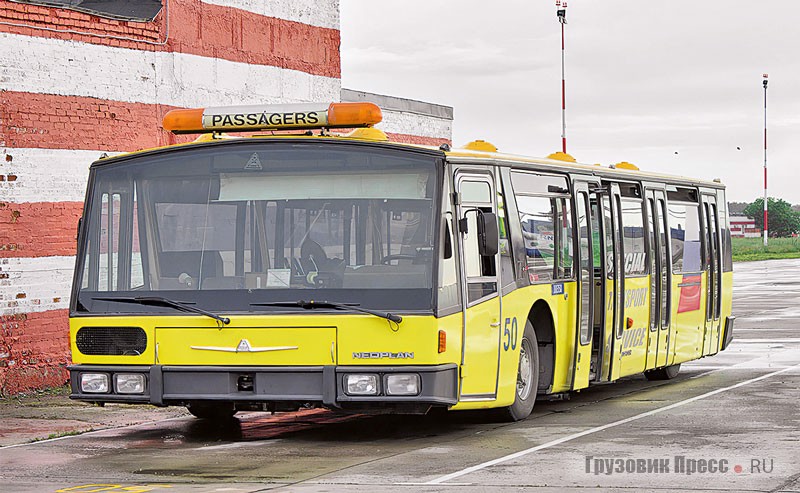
(666, 373)
(218, 411)
(527, 376)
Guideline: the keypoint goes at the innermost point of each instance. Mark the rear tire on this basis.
(666, 373)
(527, 376)
(218, 411)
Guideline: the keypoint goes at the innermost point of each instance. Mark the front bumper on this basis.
(178, 385)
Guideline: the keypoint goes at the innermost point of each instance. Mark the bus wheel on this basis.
(527, 376)
(667, 373)
(212, 410)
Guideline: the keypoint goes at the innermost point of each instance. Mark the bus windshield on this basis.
(231, 226)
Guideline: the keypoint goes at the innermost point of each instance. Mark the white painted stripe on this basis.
(741, 329)
(35, 284)
(45, 175)
(415, 124)
(768, 341)
(596, 429)
(135, 76)
(321, 13)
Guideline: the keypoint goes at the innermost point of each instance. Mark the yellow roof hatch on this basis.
(481, 145)
(368, 133)
(625, 165)
(562, 156)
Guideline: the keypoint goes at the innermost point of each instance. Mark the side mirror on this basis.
(488, 234)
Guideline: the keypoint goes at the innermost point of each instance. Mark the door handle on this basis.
(495, 324)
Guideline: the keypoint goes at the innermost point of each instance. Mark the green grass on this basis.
(749, 249)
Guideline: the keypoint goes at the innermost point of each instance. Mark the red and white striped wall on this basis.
(74, 86)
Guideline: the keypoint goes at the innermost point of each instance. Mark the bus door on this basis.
(660, 279)
(587, 354)
(615, 277)
(482, 328)
(713, 266)
(609, 280)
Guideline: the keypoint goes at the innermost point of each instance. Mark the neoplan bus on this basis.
(353, 273)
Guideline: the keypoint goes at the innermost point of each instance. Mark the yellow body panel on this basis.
(269, 346)
(583, 365)
(317, 337)
(325, 339)
(148, 357)
(611, 365)
(632, 351)
(688, 317)
(482, 346)
(490, 350)
(517, 305)
(726, 306)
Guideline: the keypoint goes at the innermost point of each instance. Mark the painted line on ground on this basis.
(752, 329)
(767, 341)
(597, 429)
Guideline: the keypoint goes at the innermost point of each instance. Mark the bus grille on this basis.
(111, 341)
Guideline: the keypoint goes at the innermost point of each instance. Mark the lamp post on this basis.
(766, 215)
(561, 12)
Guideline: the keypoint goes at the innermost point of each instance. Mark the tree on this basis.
(783, 221)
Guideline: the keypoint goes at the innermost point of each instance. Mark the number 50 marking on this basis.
(510, 333)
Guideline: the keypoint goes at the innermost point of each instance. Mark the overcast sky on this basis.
(671, 86)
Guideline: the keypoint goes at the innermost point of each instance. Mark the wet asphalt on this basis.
(726, 423)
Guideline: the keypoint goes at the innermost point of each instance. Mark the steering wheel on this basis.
(397, 256)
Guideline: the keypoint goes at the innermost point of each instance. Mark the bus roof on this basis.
(470, 154)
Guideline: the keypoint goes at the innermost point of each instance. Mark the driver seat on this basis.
(312, 256)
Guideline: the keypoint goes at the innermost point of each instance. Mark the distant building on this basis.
(744, 227)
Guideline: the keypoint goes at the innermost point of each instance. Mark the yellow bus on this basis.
(304, 268)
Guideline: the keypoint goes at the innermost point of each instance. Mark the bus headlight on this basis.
(94, 383)
(355, 384)
(402, 384)
(129, 383)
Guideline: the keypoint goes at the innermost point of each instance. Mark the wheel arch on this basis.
(541, 317)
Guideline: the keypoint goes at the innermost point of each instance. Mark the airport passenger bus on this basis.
(302, 267)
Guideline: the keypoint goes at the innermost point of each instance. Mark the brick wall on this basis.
(74, 86)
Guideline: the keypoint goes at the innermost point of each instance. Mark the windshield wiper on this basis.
(311, 304)
(183, 306)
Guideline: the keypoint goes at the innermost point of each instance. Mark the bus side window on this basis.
(481, 271)
(506, 254)
(633, 237)
(724, 227)
(448, 293)
(684, 223)
(537, 217)
(565, 246)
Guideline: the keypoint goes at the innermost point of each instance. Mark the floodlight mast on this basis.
(561, 12)
(766, 215)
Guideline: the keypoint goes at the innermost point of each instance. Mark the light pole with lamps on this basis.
(766, 215)
(561, 11)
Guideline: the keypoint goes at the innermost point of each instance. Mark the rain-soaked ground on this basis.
(727, 423)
